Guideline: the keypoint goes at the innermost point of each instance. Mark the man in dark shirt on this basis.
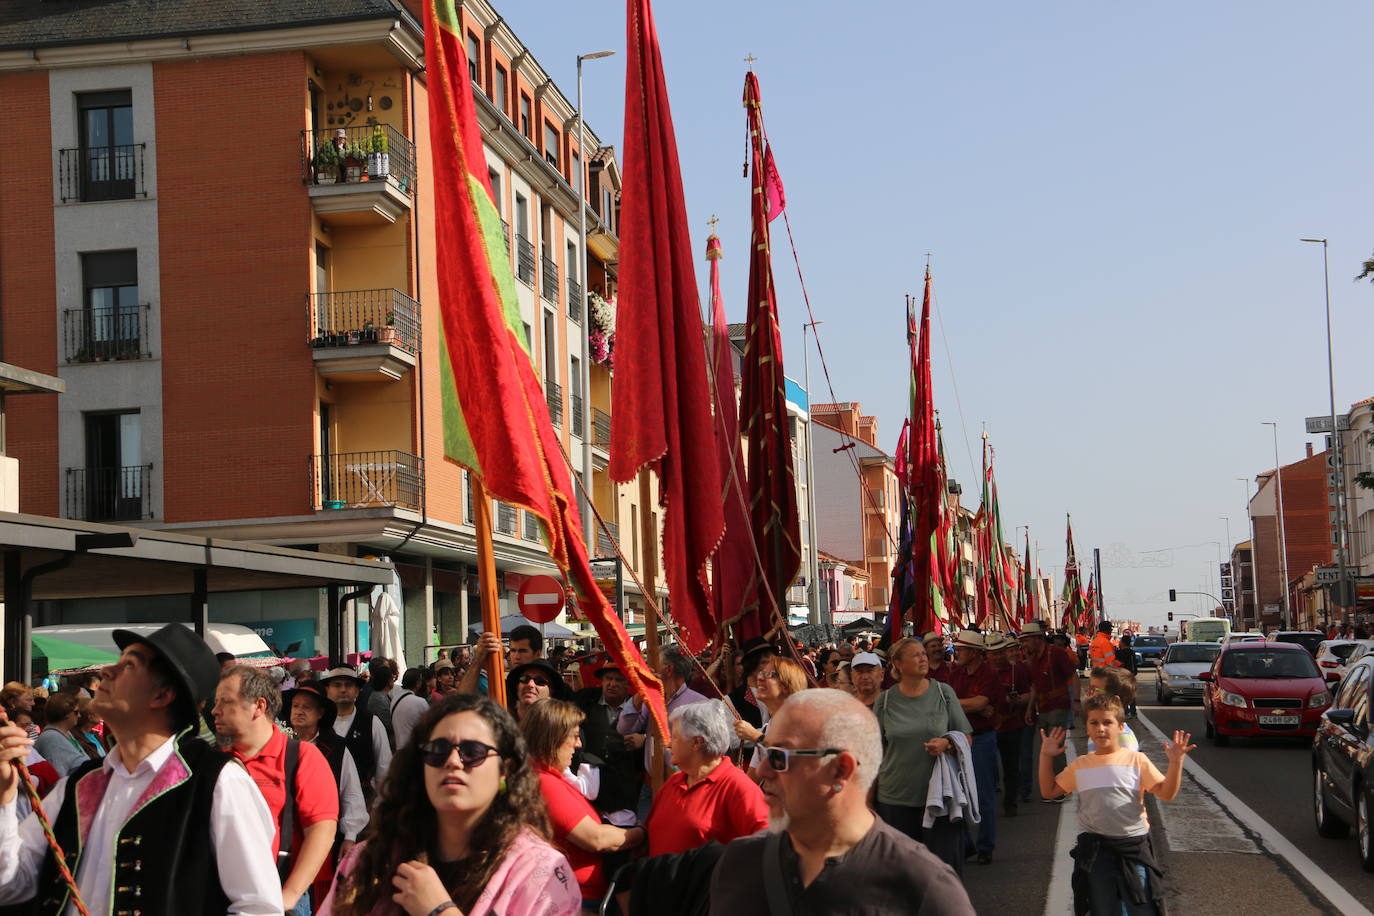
(979, 689)
(825, 853)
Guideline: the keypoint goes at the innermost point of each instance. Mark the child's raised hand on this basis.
(1053, 743)
(1178, 748)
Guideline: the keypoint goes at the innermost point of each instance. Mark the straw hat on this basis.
(970, 639)
(1032, 628)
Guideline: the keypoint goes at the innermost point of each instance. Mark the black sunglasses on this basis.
(470, 753)
(534, 678)
(777, 757)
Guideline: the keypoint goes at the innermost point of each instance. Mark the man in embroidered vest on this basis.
(165, 824)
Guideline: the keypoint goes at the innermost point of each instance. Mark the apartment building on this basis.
(224, 248)
(1308, 529)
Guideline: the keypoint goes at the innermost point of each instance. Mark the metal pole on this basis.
(1283, 531)
(812, 566)
(1338, 455)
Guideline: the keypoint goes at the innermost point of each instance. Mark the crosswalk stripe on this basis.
(1059, 900)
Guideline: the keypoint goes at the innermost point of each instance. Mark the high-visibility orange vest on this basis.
(1102, 652)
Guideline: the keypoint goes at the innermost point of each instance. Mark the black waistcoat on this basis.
(359, 742)
(164, 860)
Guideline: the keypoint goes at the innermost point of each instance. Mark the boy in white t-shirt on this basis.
(1114, 866)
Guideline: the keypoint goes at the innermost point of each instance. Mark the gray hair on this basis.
(710, 721)
(256, 684)
(681, 664)
(846, 724)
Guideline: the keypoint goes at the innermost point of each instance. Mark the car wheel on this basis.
(1362, 829)
(1328, 825)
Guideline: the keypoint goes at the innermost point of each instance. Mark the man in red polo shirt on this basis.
(246, 705)
(1052, 674)
(708, 798)
(979, 689)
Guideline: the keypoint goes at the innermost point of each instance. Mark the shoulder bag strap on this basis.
(288, 809)
(776, 890)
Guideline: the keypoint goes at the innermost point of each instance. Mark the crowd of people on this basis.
(837, 778)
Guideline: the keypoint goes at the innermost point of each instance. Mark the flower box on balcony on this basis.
(333, 503)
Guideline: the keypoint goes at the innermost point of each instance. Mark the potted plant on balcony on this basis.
(379, 160)
(326, 164)
(387, 333)
(354, 160)
(369, 335)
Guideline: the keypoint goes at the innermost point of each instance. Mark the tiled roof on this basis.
(33, 24)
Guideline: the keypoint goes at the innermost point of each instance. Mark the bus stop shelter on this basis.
(50, 559)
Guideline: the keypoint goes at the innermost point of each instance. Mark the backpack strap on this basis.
(288, 810)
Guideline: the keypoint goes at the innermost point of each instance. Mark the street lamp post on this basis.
(1283, 531)
(1338, 454)
(583, 165)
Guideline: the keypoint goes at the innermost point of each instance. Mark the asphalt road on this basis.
(1274, 778)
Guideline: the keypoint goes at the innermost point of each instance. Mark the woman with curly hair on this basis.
(459, 828)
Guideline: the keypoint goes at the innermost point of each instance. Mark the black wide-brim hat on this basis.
(328, 708)
(558, 688)
(755, 650)
(191, 660)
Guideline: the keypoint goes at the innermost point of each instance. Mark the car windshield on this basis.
(1308, 641)
(1150, 642)
(1262, 663)
(1192, 654)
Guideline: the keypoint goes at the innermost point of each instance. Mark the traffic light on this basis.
(1171, 615)
(1173, 595)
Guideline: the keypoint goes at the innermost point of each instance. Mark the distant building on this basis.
(1308, 528)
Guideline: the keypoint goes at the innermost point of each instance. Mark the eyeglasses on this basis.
(766, 675)
(470, 753)
(779, 757)
(534, 679)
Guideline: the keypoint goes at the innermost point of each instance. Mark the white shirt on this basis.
(405, 713)
(381, 747)
(241, 832)
(352, 806)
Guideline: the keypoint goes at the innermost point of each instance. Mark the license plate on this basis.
(1278, 720)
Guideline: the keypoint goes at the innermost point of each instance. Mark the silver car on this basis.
(1178, 674)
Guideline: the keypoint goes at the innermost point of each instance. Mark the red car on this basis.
(1258, 689)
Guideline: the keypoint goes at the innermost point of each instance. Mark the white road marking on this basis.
(1328, 887)
(1060, 898)
(1193, 821)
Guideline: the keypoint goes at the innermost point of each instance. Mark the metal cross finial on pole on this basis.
(712, 223)
(750, 61)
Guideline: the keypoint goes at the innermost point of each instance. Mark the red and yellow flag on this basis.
(496, 421)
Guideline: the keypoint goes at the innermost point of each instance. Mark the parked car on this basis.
(1336, 654)
(1308, 639)
(1242, 637)
(1149, 649)
(1262, 689)
(1343, 762)
(1180, 667)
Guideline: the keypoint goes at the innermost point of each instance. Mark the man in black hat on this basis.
(168, 824)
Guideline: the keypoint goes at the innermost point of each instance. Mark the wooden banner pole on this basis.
(486, 574)
(649, 576)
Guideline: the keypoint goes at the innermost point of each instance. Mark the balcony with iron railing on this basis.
(576, 299)
(548, 274)
(607, 537)
(524, 259)
(505, 233)
(366, 480)
(578, 415)
(97, 173)
(106, 334)
(553, 393)
(360, 174)
(116, 494)
(364, 334)
(601, 428)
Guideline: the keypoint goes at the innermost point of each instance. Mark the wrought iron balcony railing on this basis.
(606, 541)
(575, 300)
(359, 480)
(120, 494)
(578, 417)
(353, 155)
(548, 286)
(93, 173)
(601, 428)
(116, 332)
(524, 259)
(365, 316)
(553, 392)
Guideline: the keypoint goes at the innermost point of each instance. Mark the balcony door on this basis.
(107, 145)
(114, 467)
(110, 302)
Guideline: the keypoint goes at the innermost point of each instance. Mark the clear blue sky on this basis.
(1112, 197)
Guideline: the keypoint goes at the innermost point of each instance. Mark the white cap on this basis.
(865, 658)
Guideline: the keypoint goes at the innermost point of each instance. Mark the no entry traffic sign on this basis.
(541, 598)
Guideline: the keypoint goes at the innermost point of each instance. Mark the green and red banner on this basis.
(496, 420)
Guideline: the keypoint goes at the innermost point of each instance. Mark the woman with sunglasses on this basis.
(915, 715)
(531, 682)
(552, 730)
(459, 828)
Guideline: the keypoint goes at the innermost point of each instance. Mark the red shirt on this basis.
(985, 682)
(1050, 676)
(941, 672)
(317, 793)
(1014, 678)
(722, 805)
(567, 807)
